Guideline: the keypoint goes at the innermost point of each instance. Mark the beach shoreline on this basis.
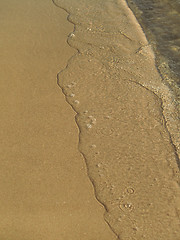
(107, 54)
(112, 173)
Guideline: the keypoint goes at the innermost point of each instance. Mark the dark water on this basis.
(160, 20)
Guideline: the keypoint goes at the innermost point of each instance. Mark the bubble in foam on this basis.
(73, 83)
(107, 131)
(99, 165)
(88, 125)
(107, 117)
(130, 190)
(76, 102)
(126, 207)
(93, 120)
(93, 146)
(72, 35)
(135, 228)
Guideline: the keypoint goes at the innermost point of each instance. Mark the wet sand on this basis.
(45, 192)
(128, 123)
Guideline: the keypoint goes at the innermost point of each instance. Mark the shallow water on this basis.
(160, 20)
(127, 120)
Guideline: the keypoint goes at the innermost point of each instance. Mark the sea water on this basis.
(160, 20)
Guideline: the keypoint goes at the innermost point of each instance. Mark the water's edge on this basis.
(76, 116)
(160, 19)
(170, 111)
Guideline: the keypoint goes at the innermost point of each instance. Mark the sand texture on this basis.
(45, 193)
(113, 172)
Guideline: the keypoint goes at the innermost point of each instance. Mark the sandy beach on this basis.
(45, 192)
(89, 147)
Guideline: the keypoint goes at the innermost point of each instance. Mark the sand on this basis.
(45, 192)
(114, 145)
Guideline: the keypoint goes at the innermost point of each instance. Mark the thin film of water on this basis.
(113, 85)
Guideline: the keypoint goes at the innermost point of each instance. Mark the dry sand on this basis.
(44, 189)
